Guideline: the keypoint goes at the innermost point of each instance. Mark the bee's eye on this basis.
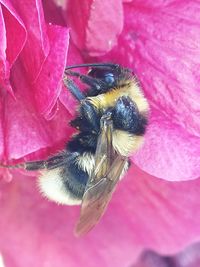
(105, 75)
(109, 78)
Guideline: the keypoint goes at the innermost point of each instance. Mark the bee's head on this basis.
(101, 78)
(110, 77)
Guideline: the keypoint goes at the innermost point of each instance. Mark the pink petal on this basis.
(98, 26)
(49, 82)
(144, 213)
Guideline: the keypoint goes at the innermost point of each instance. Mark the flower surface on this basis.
(156, 205)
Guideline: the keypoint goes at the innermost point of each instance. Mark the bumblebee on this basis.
(111, 120)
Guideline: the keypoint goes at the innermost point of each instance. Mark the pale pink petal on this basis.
(51, 228)
(160, 42)
(49, 82)
(163, 47)
(161, 213)
(170, 73)
(169, 152)
(98, 25)
(61, 3)
(145, 212)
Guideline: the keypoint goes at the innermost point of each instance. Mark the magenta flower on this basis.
(159, 40)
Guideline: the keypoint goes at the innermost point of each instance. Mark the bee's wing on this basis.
(108, 168)
(104, 152)
(97, 197)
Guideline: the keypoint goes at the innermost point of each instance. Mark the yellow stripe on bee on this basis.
(109, 99)
(125, 143)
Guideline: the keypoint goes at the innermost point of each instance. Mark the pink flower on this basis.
(160, 42)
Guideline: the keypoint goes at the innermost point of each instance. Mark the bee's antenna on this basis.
(108, 65)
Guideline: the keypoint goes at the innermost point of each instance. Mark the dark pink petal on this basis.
(16, 33)
(145, 212)
(161, 43)
(98, 25)
(12, 38)
(53, 11)
(25, 131)
(48, 85)
(37, 45)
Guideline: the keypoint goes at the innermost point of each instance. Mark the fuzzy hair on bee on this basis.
(111, 121)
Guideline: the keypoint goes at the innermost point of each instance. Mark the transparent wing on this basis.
(109, 168)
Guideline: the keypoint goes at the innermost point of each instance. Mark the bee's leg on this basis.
(89, 119)
(90, 113)
(32, 165)
(75, 91)
(93, 82)
(51, 163)
(127, 117)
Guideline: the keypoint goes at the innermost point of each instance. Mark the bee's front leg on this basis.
(88, 119)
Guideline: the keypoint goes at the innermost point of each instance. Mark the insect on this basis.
(111, 121)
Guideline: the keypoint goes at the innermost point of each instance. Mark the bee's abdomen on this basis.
(66, 185)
